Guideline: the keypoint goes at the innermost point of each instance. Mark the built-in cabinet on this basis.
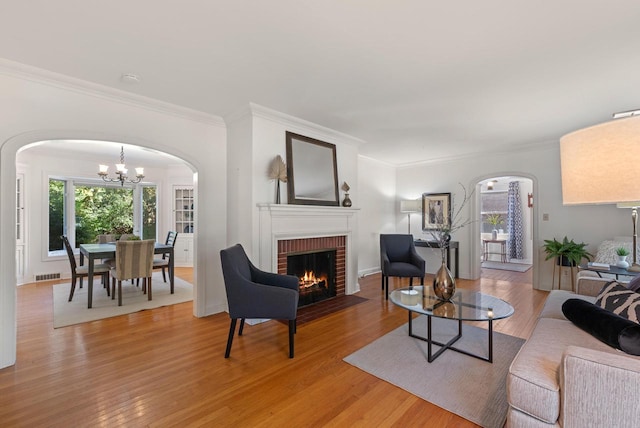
(183, 221)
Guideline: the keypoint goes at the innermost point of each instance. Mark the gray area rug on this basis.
(133, 300)
(514, 267)
(469, 387)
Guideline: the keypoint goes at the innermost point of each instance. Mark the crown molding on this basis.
(68, 83)
(504, 149)
(293, 123)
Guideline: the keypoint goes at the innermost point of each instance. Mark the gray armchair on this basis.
(399, 258)
(252, 293)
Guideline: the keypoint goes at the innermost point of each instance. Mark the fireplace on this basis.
(316, 274)
(296, 229)
(324, 256)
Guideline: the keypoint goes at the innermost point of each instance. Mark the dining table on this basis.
(108, 251)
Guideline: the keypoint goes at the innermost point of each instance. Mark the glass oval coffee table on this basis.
(465, 305)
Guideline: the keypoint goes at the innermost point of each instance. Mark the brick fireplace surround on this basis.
(293, 228)
(289, 246)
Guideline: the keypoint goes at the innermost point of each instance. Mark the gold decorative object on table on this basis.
(447, 222)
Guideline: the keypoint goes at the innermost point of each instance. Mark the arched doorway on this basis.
(514, 246)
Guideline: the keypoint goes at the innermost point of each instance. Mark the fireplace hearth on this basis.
(316, 272)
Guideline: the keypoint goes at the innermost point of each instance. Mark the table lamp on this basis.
(409, 206)
(600, 165)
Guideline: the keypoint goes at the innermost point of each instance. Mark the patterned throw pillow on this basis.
(620, 300)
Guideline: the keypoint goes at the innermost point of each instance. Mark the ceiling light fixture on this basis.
(130, 78)
(121, 172)
(627, 113)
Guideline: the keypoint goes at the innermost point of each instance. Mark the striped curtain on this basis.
(515, 246)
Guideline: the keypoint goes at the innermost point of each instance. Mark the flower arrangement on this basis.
(445, 228)
(494, 219)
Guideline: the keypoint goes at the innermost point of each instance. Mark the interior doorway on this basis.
(506, 223)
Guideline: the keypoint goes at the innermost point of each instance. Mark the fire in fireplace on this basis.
(316, 272)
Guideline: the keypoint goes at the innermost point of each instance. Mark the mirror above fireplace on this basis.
(312, 172)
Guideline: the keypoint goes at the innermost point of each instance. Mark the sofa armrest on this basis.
(589, 283)
(598, 388)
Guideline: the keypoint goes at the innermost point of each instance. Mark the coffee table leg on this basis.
(490, 359)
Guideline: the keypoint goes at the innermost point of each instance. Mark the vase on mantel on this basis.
(444, 284)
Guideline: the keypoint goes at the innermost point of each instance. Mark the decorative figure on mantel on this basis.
(278, 172)
(346, 202)
(444, 284)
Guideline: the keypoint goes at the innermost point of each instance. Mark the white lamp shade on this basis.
(410, 206)
(601, 164)
(104, 169)
(140, 172)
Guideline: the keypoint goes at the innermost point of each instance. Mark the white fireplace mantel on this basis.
(281, 221)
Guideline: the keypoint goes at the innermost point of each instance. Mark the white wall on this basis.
(37, 105)
(378, 208)
(38, 169)
(256, 137)
(590, 224)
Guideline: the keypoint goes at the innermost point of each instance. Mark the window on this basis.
(56, 214)
(98, 208)
(493, 203)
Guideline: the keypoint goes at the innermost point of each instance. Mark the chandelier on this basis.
(121, 172)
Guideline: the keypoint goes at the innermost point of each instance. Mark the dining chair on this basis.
(163, 263)
(252, 293)
(134, 259)
(399, 258)
(83, 271)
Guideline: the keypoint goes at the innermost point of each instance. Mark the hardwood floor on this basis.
(164, 367)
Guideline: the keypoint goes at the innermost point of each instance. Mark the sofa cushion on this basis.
(605, 326)
(532, 383)
(553, 305)
(620, 300)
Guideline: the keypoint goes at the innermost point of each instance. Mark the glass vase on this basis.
(444, 285)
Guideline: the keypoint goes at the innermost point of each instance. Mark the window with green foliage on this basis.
(99, 209)
(149, 212)
(56, 214)
(493, 204)
(102, 210)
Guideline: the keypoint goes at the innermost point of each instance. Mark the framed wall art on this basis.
(436, 210)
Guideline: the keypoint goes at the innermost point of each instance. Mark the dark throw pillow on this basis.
(620, 300)
(634, 284)
(605, 326)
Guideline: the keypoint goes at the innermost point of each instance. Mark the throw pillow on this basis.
(605, 326)
(620, 300)
(634, 284)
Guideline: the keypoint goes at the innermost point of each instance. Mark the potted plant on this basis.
(566, 252)
(622, 257)
(494, 220)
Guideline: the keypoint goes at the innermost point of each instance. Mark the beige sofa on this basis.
(564, 377)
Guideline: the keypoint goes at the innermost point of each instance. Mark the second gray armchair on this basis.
(399, 258)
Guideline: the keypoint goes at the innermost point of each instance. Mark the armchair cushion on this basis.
(620, 300)
(605, 326)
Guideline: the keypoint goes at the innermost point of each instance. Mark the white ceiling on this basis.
(437, 79)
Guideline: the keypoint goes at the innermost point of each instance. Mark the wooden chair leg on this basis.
(411, 282)
(119, 292)
(383, 281)
(241, 327)
(164, 275)
(73, 288)
(113, 288)
(232, 329)
(147, 282)
(422, 280)
(80, 282)
(292, 329)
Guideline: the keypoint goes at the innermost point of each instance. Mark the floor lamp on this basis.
(600, 166)
(409, 206)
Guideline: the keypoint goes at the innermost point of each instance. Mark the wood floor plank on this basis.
(165, 368)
